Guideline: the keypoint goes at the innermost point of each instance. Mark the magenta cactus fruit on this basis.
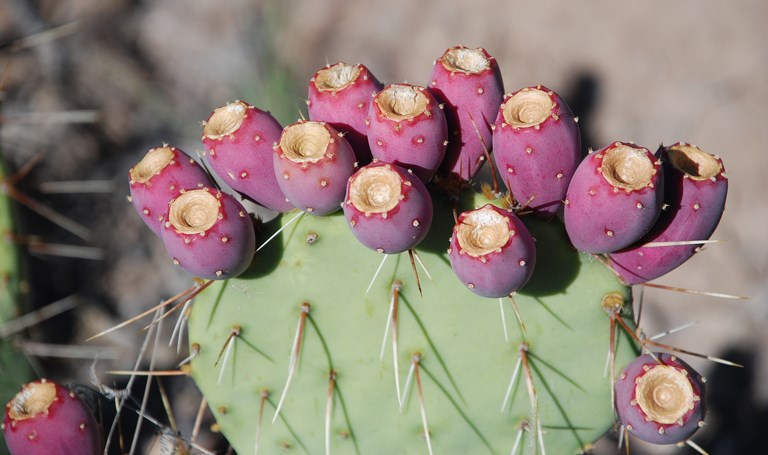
(238, 139)
(45, 418)
(536, 146)
(660, 401)
(340, 95)
(209, 234)
(159, 177)
(407, 127)
(614, 198)
(695, 188)
(491, 251)
(468, 83)
(387, 207)
(313, 162)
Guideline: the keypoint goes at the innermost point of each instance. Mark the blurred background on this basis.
(93, 84)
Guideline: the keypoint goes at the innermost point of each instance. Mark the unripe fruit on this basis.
(491, 251)
(340, 95)
(45, 418)
(388, 208)
(695, 188)
(159, 177)
(661, 403)
(407, 127)
(468, 83)
(614, 198)
(313, 162)
(536, 146)
(209, 234)
(238, 139)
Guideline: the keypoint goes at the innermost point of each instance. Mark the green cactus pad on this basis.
(14, 368)
(465, 368)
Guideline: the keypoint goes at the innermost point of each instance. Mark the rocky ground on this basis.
(134, 74)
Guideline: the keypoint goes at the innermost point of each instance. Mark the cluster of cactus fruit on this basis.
(559, 250)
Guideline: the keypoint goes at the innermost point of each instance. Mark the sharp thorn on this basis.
(297, 216)
(503, 320)
(692, 291)
(264, 395)
(375, 275)
(422, 408)
(415, 271)
(294, 361)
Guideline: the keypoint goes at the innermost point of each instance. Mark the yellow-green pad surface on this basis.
(466, 364)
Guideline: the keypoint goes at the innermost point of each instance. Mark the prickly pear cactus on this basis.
(14, 369)
(300, 332)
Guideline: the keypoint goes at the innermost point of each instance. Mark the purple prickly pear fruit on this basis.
(491, 251)
(536, 146)
(238, 139)
(406, 126)
(209, 234)
(614, 198)
(45, 418)
(387, 207)
(313, 162)
(340, 95)
(661, 402)
(695, 187)
(158, 178)
(468, 83)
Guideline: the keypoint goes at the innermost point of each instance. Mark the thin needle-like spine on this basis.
(406, 389)
(421, 264)
(329, 411)
(532, 397)
(517, 314)
(147, 388)
(673, 330)
(386, 327)
(295, 352)
(177, 326)
(188, 294)
(693, 291)
(511, 386)
(519, 437)
(375, 275)
(264, 396)
(226, 351)
(396, 367)
(415, 271)
(422, 408)
(696, 447)
(503, 320)
(678, 243)
(198, 420)
(297, 216)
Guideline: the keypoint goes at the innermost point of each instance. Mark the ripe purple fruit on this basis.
(407, 127)
(159, 177)
(238, 139)
(536, 145)
(313, 162)
(45, 418)
(468, 83)
(209, 234)
(340, 95)
(491, 251)
(614, 198)
(660, 402)
(695, 189)
(388, 208)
